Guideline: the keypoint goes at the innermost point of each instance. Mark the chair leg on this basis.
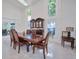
(46, 48)
(44, 53)
(27, 48)
(33, 49)
(14, 45)
(62, 42)
(72, 44)
(19, 48)
(11, 43)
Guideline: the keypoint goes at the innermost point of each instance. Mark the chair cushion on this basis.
(65, 34)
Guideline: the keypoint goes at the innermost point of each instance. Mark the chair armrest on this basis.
(22, 39)
(40, 42)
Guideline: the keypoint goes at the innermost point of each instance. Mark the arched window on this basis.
(51, 7)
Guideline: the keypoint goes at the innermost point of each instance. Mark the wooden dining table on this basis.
(32, 41)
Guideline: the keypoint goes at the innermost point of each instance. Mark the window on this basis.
(8, 26)
(29, 14)
(52, 7)
(51, 27)
(12, 25)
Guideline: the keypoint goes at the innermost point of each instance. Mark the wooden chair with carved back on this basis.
(42, 44)
(11, 38)
(19, 41)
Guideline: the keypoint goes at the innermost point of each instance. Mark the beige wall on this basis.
(65, 14)
(13, 13)
(69, 14)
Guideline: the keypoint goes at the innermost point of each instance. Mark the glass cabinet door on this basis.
(32, 23)
(37, 24)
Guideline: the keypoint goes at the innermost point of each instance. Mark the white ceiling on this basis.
(31, 2)
(17, 3)
(14, 2)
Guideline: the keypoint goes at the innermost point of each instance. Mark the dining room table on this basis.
(31, 41)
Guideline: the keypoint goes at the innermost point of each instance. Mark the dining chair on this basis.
(42, 44)
(19, 41)
(11, 38)
(67, 38)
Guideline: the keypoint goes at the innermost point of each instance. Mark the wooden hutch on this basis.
(37, 27)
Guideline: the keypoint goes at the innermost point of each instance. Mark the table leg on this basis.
(72, 44)
(62, 42)
(27, 48)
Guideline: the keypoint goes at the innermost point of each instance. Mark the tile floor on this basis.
(55, 51)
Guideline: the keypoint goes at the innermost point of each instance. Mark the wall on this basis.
(41, 10)
(65, 15)
(69, 14)
(14, 13)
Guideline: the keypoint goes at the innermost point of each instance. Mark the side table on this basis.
(68, 39)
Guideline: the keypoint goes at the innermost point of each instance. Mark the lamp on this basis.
(69, 29)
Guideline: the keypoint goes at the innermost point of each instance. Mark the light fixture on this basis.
(23, 2)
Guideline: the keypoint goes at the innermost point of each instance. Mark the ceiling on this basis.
(31, 2)
(17, 3)
(13, 2)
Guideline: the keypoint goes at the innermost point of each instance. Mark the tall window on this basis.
(52, 7)
(51, 27)
(29, 14)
